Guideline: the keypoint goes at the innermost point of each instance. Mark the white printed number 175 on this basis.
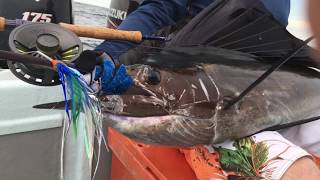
(36, 17)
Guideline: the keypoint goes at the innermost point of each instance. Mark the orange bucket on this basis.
(132, 160)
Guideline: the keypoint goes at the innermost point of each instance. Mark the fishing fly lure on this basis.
(83, 104)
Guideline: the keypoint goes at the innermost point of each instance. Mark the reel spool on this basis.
(37, 39)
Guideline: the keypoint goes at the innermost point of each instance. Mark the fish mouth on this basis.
(134, 105)
(150, 106)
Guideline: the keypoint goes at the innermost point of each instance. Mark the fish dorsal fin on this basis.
(245, 26)
(183, 57)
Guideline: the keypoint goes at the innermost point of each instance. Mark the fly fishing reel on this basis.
(43, 40)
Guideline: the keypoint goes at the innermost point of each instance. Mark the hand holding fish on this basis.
(113, 80)
(101, 68)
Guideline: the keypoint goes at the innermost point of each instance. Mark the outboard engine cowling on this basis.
(54, 11)
(119, 10)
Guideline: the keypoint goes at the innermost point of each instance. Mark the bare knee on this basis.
(303, 168)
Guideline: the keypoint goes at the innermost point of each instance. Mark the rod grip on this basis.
(103, 33)
(2, 23)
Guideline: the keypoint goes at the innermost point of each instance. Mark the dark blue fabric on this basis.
(152, 15)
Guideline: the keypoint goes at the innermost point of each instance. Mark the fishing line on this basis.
(268, 73)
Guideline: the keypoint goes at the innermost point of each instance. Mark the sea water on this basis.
(86, 14)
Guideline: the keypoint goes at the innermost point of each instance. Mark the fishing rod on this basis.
(44, 61)
(60, 41)
(91, 31)
(10, 23)
(110, 34)
(268, 73)
(24, 58)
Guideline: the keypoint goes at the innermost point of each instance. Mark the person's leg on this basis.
(314, 15)
(303, 168)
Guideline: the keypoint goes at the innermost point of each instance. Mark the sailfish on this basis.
(180, 93)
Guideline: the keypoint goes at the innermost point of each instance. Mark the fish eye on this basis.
(153, 77)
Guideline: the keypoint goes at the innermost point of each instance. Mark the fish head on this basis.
(165, 91)
(176, 98)
(162, 102)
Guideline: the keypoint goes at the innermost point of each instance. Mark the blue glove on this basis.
(113, 83)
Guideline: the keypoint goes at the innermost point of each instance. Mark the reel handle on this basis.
(103, 33)
(2, 23)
